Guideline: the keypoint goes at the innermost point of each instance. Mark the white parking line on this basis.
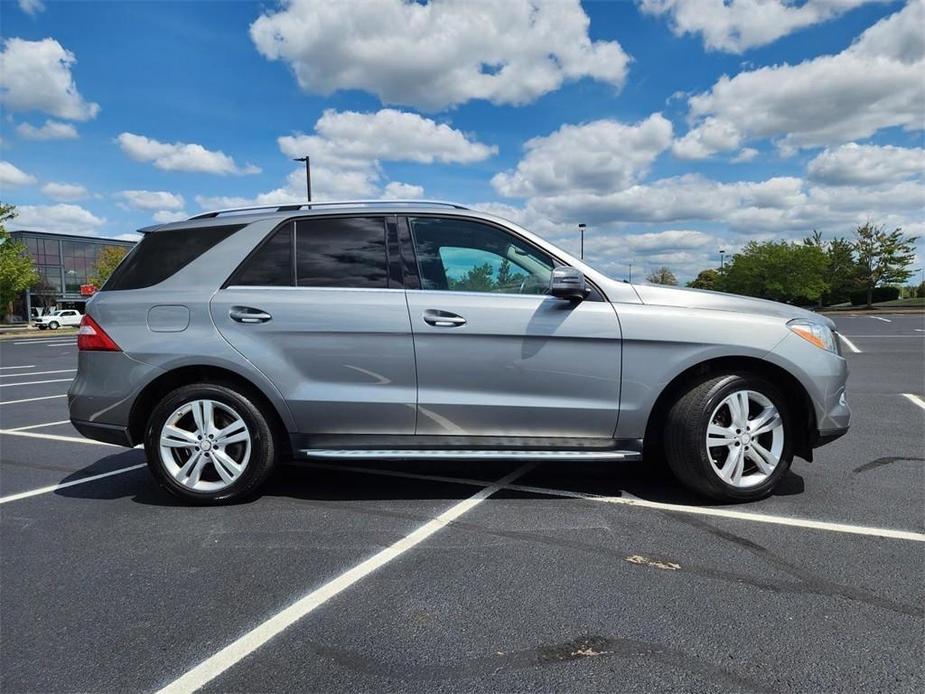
(63, 485)
(60, 344)
(27, 366)
(37, 373)
(43, 339)
(32, 383)
(44, 397)
(39, 426)
(915, 399)
(853, 347)
(885, 320)
(56, 437)
(233, 653)
(657, 505)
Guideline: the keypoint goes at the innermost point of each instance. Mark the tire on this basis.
(42, 327)
(705, 466)
(253, 457)
(53, 325)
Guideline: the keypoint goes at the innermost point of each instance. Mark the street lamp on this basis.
(308, 175)
(581, 230)
(631, 272)
(722, 260)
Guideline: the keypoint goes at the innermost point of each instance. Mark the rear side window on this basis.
(160, 254)
(341, 252)
(270, 265)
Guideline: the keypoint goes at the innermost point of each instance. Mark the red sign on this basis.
(87, 290)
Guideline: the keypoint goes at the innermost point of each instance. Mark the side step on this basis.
(453, 454)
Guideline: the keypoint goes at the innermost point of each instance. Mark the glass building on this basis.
(64, 262)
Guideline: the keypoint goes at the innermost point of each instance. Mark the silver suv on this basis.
(401, 330)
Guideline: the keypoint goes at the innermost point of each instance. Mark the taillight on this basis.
(92, 338)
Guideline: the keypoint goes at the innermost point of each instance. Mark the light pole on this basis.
(308, 175)
(581, 230)
(722, 260)
(631, 272)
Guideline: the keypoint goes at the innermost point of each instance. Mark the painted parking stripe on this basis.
(885, 320)
(27, 366)
(56, 437)
(853, 347)
(656, 505)
(61, 344)
(43, 339)
(37, 373)
(32, 383)
(44, 397)
(39, 426)
(233, 653)
(64, 485)
(915, 399)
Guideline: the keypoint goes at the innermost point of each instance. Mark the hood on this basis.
(718, 301)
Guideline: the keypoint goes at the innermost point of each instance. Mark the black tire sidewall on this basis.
(263, 443)
(705, 479)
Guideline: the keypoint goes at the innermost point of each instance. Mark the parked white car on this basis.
(56, 319)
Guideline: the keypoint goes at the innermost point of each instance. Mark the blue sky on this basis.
(672, 127)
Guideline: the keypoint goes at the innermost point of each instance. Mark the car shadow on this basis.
(333, 482)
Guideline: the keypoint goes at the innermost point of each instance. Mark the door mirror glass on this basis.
(568, 283)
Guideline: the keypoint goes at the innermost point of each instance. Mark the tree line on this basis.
(818, 272)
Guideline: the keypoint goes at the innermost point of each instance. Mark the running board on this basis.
(414, 454)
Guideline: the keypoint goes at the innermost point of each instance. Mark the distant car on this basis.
(424, 330)
(56, 319)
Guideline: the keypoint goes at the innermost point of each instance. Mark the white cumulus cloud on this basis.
(737, 25)
(151, 199)
(63, 219)
(166, 216)
(854, 164)
(64, 192)
(396, 190)
(36, 76)
(438, 54)
(875, 83)
(600, 156)
(52, 130)
(180, 156)
(12, 176)
(32, 7)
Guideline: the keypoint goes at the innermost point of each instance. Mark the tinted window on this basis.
(341, 252)
(162, 253)
(270, 265)
(460, 255)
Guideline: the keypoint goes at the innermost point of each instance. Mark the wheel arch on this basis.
(152, 393)
(798, 398)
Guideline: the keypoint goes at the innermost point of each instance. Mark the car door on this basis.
(497, 356)
(316, 309)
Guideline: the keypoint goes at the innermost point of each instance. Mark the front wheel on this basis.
(209, 444)
(730, 438)
(53, 325)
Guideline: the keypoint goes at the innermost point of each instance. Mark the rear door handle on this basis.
(443, 319)
(246, 314)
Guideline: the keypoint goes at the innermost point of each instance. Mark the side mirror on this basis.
(568, 283)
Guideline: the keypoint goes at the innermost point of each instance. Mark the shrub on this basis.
(859, 296)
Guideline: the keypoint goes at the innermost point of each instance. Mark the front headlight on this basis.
(819, 335)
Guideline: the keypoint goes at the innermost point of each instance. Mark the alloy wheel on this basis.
(205, 445)
(745, 438)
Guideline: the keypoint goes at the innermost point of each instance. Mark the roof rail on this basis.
(293, 206)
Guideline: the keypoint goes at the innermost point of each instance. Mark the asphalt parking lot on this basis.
(465, 577)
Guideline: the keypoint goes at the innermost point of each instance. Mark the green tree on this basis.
(479, 279)
(106, 262)
(777, 270)
(883, 257)
(662, 275)
(17, 271)
(841, 270)
(706, 279)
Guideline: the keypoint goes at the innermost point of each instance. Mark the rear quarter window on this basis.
(161, 254)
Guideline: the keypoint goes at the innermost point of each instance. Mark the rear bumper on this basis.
(821, 438)
(107, 433)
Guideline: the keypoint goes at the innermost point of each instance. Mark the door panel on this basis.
(342, 358)
(515, 365)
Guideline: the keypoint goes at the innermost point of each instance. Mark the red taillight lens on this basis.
(93, 338)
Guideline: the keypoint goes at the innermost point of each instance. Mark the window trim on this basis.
(594, 295)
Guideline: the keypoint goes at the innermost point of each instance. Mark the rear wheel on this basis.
(730, 438)
(209, 444)
(53, 325)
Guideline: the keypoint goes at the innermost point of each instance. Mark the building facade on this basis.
(64, 262)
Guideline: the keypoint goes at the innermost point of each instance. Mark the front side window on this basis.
(341, 252)
(466, 256)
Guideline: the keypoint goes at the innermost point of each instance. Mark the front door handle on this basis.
(246, 314)
(443, 319)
